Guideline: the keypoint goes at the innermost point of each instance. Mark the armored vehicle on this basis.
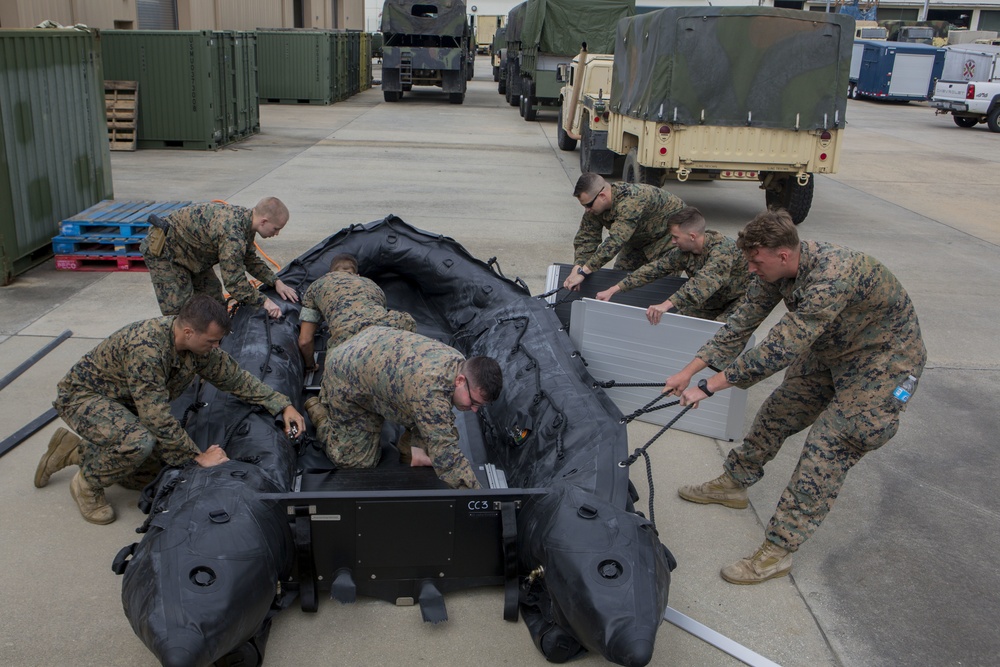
(541, 34)
(426, 44)
(751, 94)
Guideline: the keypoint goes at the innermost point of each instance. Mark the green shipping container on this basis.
(295, 66)
(190, 95)
(54, 155)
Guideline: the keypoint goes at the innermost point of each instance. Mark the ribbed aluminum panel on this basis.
(54, 155)
(618, 343)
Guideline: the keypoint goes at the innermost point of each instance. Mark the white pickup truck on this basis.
(969, 102)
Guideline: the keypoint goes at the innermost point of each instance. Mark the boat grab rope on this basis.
(641, 451)
(560, 423)
(608, 384)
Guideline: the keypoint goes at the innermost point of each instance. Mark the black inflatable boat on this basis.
(225, 548)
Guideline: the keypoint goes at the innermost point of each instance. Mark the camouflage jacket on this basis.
(349, 303)
(408, 379)
(847, 314)
(637, 217)
(203, 235)
(139, 367)
(717, 277)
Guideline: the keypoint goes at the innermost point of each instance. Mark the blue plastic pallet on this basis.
(96, 245)
(117, 218)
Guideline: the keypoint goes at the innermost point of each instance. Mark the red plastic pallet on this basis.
(99, 263)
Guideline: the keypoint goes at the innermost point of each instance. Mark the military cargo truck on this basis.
(750, 94)
(486, 28)
(541, 34)
(426, 43)
(497, 58)
(583, 113)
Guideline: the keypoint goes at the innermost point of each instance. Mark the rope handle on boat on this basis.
(645, 455)
(649, 408)
(608, 384)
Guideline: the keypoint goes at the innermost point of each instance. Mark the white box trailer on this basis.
(971, 62)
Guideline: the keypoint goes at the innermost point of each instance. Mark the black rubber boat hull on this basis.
(606, 575)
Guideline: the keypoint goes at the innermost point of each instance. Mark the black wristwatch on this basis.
(703, 385)
(580, 270)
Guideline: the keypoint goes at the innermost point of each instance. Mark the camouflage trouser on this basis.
(839, 437)
(116, 447)
(351, 437)
(174, 284)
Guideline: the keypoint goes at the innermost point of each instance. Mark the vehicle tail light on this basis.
(970, 92)
(664, 129)
(822, 156)
(606, 116)
(826, 136)
(663, 151)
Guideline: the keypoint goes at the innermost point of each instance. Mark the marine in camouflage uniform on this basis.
(635, 216)
(117, 398)
(182, 258)
(849, 338)
(384, 373)
(717, 277)
(349, 303)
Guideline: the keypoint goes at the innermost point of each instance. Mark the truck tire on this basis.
(786, 193)
(993, 118)
(633, 172)
(456, 98)
(530, 113)
(964, 121)
(852, 90)
(391, 95)
(562, 139)
(502, 86)
(496, 74)
(520, 105)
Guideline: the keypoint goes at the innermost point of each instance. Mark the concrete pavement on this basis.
(901, 573)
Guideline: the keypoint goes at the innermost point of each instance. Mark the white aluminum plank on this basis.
(618, 343)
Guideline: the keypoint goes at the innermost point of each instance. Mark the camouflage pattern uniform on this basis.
(199, 237)
(384, 373)
(718, 277)
(636, 224)
(850, 336)
(117, 398)
(349, 303)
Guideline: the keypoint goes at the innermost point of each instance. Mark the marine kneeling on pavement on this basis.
(852, 352)
(117, 397)
(387, 374)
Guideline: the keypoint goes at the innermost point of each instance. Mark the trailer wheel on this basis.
(964, 121)
(391, 95)
(563, 139)
(456, 98)
(633, 172)
(852, 91)
(993, 119)
(785, 192)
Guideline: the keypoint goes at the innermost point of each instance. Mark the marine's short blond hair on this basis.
(770, 229)
(273, 209)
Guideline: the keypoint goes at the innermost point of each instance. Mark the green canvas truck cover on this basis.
(733, 66)
(515, 22)
(560, 26)
(424, 17)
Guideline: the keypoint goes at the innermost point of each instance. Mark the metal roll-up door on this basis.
(157, 14)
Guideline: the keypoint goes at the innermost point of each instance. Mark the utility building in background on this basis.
(186, 14)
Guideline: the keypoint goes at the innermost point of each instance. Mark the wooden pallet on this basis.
(96, 245)
(121, 100)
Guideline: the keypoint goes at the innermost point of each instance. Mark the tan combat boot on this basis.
(317, 411)
(63, 451)
(769, 562)
(93, 505)
(723, 490)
